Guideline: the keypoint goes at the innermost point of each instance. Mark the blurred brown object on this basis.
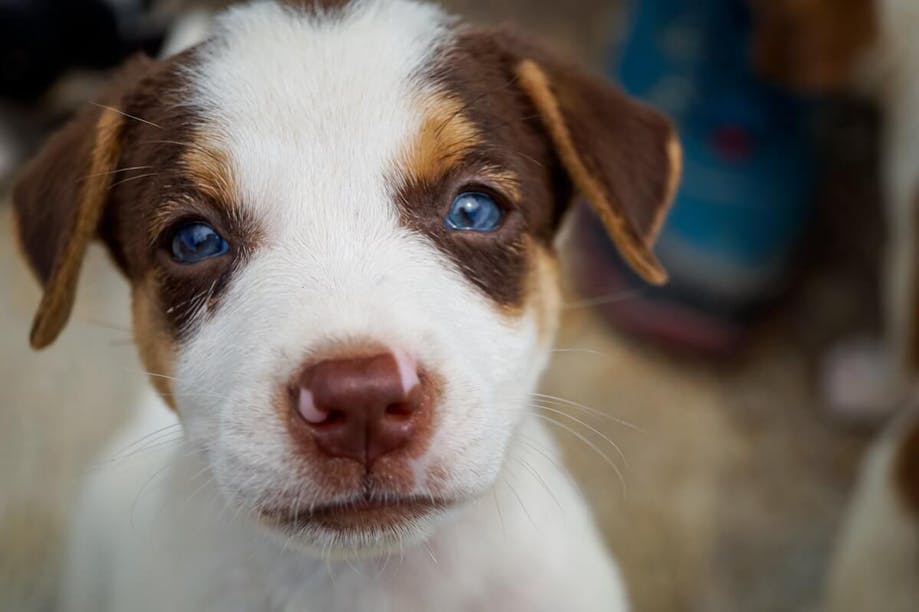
(812, 45)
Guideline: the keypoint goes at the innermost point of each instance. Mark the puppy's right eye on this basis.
(194, 242)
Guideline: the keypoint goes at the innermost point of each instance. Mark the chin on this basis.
(358, 529)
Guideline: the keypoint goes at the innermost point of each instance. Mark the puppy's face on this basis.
(338, 225)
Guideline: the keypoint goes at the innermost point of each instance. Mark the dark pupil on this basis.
(470, 212)
(196, 241)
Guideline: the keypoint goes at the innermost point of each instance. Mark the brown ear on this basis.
(60, 196)
(621, 155)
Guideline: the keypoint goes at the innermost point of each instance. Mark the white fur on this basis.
(876, 563)
(153, 533)
(312, 114)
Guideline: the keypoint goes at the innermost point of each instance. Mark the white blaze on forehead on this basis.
(313, 108)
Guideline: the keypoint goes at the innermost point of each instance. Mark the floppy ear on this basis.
(60, 196)
(621, 155)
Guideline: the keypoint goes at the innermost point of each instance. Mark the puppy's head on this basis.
(338, 226)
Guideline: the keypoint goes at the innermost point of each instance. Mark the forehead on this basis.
(320, 103)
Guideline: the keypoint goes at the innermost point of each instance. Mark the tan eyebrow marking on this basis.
(210, 172)
(155, 343)
(444, 138)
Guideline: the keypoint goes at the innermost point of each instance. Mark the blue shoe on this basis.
(748, 168)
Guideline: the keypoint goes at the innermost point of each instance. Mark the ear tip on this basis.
(659, 278)
(40, 336)
(647, 266)
(656, 276)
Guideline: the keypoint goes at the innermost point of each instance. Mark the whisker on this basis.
(183, 505)
(590, 445)
(384, 565)
(147, 436)
(156, 440)
(327, 554)
(140, 493)
(598, 413)
(353, 568)
(154, 374)
(588, 426)
(124, 114)
(553, 461)
(118, 171)
(538, 477)
(494, 495)
(519, 501)
(427, 547)
(131, 178)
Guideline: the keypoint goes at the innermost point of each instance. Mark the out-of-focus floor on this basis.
(734, 483)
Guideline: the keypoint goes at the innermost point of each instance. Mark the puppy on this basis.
(871, 46)
(337, 220)
(868, 47)
(876, 562)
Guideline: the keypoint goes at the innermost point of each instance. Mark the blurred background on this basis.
(721, 389)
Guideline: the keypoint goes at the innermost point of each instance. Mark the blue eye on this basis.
(475, 212)
(196, 242)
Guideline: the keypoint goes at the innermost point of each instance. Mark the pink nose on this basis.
(364, 407)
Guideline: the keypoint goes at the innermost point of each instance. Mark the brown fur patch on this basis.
(181, 177)
(813, 45)
(491, 147)
(532, 139)
(447, 156)
(154, 339)
(906, 468)
(544, 294)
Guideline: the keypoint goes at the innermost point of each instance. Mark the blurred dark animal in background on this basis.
(870, 47)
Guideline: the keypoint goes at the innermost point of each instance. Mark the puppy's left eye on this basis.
(194, 242)
(474, 211)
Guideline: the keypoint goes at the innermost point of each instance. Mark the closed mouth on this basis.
(365, 514)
